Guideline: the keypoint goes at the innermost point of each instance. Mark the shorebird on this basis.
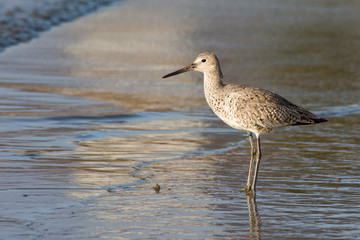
(250, 109)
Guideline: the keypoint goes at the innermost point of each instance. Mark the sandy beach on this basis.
(89, 126)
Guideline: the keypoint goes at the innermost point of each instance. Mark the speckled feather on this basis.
(256, 110)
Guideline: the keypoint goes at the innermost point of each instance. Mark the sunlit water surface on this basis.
(88, 127)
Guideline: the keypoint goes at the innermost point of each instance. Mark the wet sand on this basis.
(89, 127)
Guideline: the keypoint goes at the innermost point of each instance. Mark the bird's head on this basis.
(205, 62)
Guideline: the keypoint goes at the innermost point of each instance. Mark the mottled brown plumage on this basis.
(246, 108)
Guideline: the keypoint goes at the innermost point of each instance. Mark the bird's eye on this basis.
(204, 60)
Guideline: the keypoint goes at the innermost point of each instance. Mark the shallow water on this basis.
(89, 127)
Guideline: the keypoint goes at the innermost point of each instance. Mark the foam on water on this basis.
(22, 20)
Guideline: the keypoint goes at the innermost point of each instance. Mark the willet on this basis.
(254, 110)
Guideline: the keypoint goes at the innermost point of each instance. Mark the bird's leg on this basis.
(251, 166)
(258, 158)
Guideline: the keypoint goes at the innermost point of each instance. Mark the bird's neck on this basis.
(213, 88)
(213, 80)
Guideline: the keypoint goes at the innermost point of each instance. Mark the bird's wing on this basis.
(265, 108)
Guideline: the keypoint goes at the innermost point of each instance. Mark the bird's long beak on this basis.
(185, 69)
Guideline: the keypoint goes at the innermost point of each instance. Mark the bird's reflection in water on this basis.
(254, 217)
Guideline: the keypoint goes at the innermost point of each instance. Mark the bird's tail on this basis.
(310, 121)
